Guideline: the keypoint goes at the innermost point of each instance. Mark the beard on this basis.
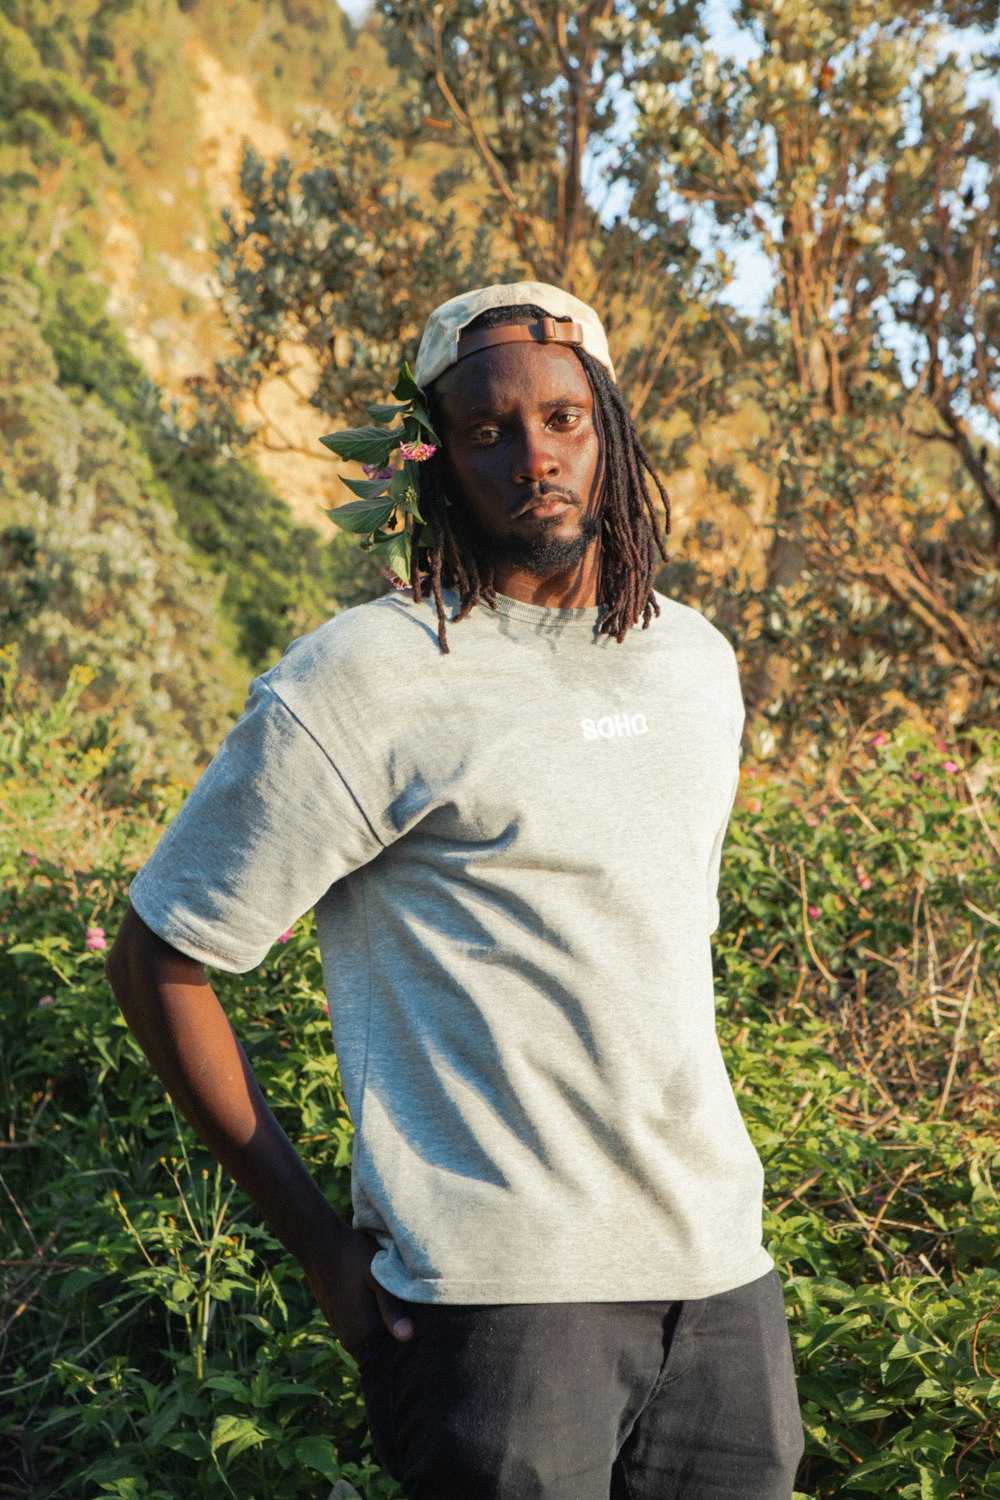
(545, 556)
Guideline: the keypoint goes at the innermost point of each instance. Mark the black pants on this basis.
(590, 1401)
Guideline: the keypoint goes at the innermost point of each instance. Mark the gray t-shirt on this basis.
(513, 854)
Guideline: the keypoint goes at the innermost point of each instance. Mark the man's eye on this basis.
(486, 434)
(565, 418)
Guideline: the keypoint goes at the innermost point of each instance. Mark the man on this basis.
(555, 1283)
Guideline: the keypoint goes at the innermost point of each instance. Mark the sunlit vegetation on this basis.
(837, 514)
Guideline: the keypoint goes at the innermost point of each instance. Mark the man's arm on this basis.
(175, 1015)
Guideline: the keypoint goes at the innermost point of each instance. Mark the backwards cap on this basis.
(570, 321)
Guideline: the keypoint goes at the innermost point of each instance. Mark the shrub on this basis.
(156, 1342)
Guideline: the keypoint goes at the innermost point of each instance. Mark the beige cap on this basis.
(439, 345)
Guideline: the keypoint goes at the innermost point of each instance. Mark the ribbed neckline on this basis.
(586, 619)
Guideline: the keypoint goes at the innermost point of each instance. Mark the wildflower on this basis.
(754, 804)
(940, 745)
(96, 939)
(864, 880)
(285, 936)
(918, 775)
(32, 859)
(814, 912)
(417, 452)
(372, 471)
(951, 767)
(46, 1001)
(880, 739)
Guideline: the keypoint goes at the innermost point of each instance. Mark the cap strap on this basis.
(543, 331)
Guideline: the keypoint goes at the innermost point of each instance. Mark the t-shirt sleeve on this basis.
(737, 717)
(269, 827)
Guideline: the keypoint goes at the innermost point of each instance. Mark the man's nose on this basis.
(534, 456)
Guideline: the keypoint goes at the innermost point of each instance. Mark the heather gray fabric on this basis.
(513, 853)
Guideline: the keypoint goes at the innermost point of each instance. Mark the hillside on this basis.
(119, 144)
(158, 262)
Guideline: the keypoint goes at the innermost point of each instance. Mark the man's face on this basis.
(524, 450)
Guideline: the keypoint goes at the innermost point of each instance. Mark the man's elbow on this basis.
(118, 964)
(140, 963)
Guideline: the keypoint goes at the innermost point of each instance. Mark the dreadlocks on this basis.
(632, 536)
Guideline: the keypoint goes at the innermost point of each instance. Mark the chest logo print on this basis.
(616, 727)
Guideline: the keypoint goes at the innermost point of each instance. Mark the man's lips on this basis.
(550, 503)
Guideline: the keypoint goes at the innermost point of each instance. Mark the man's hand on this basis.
(351, 1300)
(178, 1022)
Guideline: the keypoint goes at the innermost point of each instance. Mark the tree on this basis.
(494, 156)
(863, 586)
(846, 147)
(93, 572)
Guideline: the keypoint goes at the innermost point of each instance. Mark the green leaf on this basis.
(191, 1444)
(240, 1432)
(385, 411)
(406, 388)
(368, 489)
(316, 1453)
(362, 516)
(364, 445)
(229, 1384)
(422, 417)
(394, 552)
(405, 492)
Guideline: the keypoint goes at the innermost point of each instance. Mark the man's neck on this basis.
(578, 588)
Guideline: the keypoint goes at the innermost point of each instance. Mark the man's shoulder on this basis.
(372, 637)
(683, 621)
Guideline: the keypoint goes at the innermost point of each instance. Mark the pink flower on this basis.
(417, 452)
(286, 935)
(951, 767)
(942, 747)
(864, 881)
(46, 1001)
(918, 775)
(96, 939)
(32, 859)
(814, 912)
(374, 472)
(754, 804)
(880, 739)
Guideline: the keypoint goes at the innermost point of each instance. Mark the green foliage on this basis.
(182, 1353)
(346, 256)
(166, 1345)
(387, 516)
(96, 575)
(153, 1341)
(279, 579)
